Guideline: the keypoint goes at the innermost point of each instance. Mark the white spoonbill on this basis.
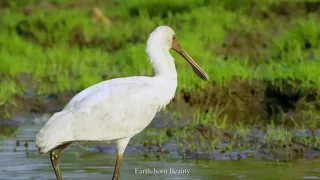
(117, 109)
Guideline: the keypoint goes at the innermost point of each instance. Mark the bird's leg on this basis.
(121, 146)
(54, 156)
(116, 172)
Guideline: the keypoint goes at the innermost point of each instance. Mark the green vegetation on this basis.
(262, 56)
(205, 134)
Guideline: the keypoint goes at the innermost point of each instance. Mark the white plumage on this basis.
(110, 110)
(118, 109)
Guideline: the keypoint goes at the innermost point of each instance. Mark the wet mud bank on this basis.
(285, 102)
(258, 143)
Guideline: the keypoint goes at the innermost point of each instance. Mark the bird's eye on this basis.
(174, 37)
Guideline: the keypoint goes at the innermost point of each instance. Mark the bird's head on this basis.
(164, 37)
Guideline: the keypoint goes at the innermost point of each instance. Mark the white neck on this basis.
(163, 65)
(165, 76)
(162, 62)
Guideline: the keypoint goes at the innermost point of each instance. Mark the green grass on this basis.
(63, 49)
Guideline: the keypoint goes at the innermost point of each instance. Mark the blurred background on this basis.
(261, 103)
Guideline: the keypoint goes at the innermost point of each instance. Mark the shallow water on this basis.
(23, 162)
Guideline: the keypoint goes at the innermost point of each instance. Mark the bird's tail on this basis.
(55, 132)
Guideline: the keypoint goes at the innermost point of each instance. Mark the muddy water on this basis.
(22, 161)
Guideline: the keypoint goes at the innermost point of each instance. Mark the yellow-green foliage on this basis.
(43, 49)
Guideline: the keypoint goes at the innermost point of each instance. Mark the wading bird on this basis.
(116, 110)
